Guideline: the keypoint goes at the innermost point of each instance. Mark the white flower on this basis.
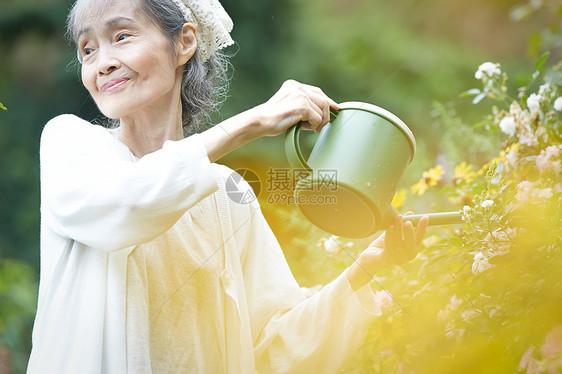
(383, 299)
(542, 163)
(544, 88)
(455, 302)
(332, 245)
(545, 193)
(443, 314)
(524, 191)
(558, 104)
(499, 242)
(488, 68)
(552, 151)
(511, 158)
(558, 187)
(468, 314)
(480, 264)
(508, 125)
(534, 102)
(526, 134)
(514, 109)
(487, 203)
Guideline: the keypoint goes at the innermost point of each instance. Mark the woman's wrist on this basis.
(359, 275)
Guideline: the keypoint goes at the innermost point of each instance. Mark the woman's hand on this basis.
(293, 103)
(399, 244)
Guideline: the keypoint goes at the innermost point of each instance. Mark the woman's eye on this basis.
(121, 37)
(85, 51)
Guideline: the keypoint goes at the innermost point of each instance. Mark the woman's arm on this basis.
(294, 102)
(317, 334)
(94, 197)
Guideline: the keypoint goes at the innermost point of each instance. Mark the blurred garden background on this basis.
(482, 297)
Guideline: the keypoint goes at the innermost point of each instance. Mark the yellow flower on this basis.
(462, 200)
(429, 178)
(503, 157)
(463, 171)
(399, 198)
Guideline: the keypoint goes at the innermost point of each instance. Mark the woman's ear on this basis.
(186, 44)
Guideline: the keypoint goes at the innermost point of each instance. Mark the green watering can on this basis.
(353, 171)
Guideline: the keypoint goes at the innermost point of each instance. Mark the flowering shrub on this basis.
(485, 296)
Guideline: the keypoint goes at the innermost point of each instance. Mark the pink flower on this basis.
(553, 343)
(527, 192)
(545, 160)
(528, 362)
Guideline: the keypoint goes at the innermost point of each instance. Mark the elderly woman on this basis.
(146, 265)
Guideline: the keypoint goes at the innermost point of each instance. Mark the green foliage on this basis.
(18, 299)
(2, 107)
(486, 297)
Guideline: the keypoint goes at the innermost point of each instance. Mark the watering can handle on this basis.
(293, 148)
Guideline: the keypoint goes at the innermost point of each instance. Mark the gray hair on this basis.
(204, 86)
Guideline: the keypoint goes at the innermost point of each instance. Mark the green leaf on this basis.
(535, 74)
(3, 107)
(471, 92)
(478, 98)
(480, 124)
(541, 60)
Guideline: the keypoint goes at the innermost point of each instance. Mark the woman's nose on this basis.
(107, 62)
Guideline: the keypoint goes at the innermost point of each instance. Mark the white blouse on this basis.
(148, 267)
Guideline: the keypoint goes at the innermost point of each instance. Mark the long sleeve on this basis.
(95, 197)
(293, 334)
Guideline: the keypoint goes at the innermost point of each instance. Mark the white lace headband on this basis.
(212, 22)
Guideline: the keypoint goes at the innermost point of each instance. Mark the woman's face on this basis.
(127, 62)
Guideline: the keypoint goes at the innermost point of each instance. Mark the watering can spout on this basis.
(435, 219)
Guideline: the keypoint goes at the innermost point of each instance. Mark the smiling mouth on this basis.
(113, 85)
